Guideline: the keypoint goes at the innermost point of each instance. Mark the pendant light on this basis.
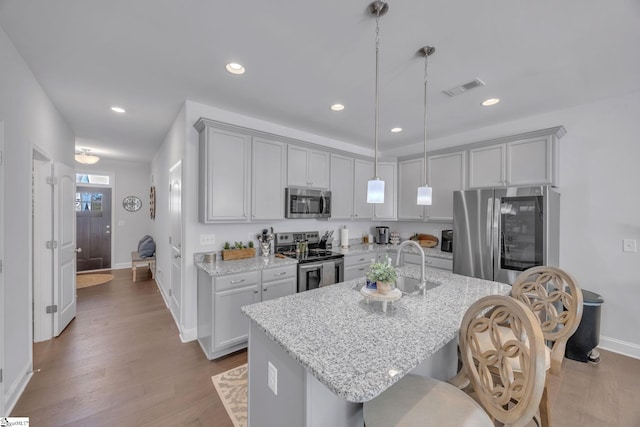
(424, 192)
(86, 158)
(375, 187)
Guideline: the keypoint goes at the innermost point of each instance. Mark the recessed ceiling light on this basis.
(118, 110)
(235, 68)
(337, 107)
(490, 101)
(396, 130)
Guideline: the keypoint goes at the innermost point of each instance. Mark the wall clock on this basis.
(152, 202)
(132, 203)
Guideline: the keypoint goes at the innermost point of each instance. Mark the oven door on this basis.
(317, 274)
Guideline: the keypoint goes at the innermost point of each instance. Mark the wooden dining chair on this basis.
(556, 300)
(512, 398)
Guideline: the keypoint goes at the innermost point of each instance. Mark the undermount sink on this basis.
(411, 286)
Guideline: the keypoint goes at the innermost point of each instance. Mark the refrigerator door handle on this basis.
(489, 220)
(497, 241)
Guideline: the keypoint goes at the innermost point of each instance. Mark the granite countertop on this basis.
(356, 349)
(358, 249)
(220, 268)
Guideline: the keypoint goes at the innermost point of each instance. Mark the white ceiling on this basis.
(149, 56)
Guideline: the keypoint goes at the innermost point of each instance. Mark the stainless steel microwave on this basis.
(307, 203)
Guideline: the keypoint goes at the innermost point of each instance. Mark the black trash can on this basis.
(582, 344)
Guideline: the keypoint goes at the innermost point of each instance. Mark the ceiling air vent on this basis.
(465, 87)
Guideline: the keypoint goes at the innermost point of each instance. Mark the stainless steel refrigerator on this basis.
(498, 233)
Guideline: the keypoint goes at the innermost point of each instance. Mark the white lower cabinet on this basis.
(429, 261)
(356, 266)
(279, 282)
(222, 328)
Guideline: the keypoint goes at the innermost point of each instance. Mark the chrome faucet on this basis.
(423, 282)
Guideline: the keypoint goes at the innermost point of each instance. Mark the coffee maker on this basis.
(446, 244)
(382, 235)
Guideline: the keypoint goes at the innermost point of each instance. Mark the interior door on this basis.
(175, 213)
(93, 226)
(64, 236)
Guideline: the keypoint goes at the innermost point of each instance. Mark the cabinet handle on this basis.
(237, 281)
(361, 269)
(281, 273)
(255, 292)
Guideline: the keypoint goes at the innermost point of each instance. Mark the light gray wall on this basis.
(31, 120)
(129, 179)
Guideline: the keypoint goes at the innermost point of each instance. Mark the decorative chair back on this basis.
(511, 397)
(556, 299)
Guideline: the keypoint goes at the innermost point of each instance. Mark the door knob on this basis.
(77, 250)
(107, 232)
(177, 256)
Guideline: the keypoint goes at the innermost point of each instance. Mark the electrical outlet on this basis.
(207, 239)
(629, 245)
(272, 378)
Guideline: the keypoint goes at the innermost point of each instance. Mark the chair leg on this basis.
(545, 420)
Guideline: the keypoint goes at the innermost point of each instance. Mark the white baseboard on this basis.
(621, 347)
(188, 335)
(16, 389)
(121, 266)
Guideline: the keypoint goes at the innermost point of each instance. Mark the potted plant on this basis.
(384, 274)
(238, 251)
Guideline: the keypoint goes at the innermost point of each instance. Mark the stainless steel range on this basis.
(317, 265)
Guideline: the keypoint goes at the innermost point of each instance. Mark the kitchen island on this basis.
(315, 356)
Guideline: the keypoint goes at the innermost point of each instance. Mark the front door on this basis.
(93, 225)
(64, 237)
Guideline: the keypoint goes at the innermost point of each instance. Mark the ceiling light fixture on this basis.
(337, 107)
(118, 110)
(375, 186)
(396, 130)
(86, 158)
(490, 101)
(235, 68)
(424, 192)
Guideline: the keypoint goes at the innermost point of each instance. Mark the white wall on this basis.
(600, 204)
(30, 120)
(129, 179)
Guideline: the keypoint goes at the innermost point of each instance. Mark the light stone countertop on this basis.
(352, 347)
(358, 249)
(220, 268)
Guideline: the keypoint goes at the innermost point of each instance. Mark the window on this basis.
(82, 178)
(88, 201)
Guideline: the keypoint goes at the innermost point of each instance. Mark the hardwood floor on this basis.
(121, 362)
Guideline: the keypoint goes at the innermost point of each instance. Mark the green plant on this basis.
(250, 244)
(226, 246)
(382, 272)
(239, 245)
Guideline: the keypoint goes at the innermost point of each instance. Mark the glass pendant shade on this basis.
(424, 195)
(375, 191)
(86, 158)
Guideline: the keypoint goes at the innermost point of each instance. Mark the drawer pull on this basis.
(280, 274)
(361, 269)
(237, 281)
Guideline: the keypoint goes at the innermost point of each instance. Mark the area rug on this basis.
(86, 280)
(232, 389)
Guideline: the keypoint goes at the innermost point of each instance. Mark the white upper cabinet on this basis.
(410, 173)
(224, 174)
(446, 174)
(268, 159)
(363, 172)
(387, 171)
(527, 161)
(307, 168)
(341, 187)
